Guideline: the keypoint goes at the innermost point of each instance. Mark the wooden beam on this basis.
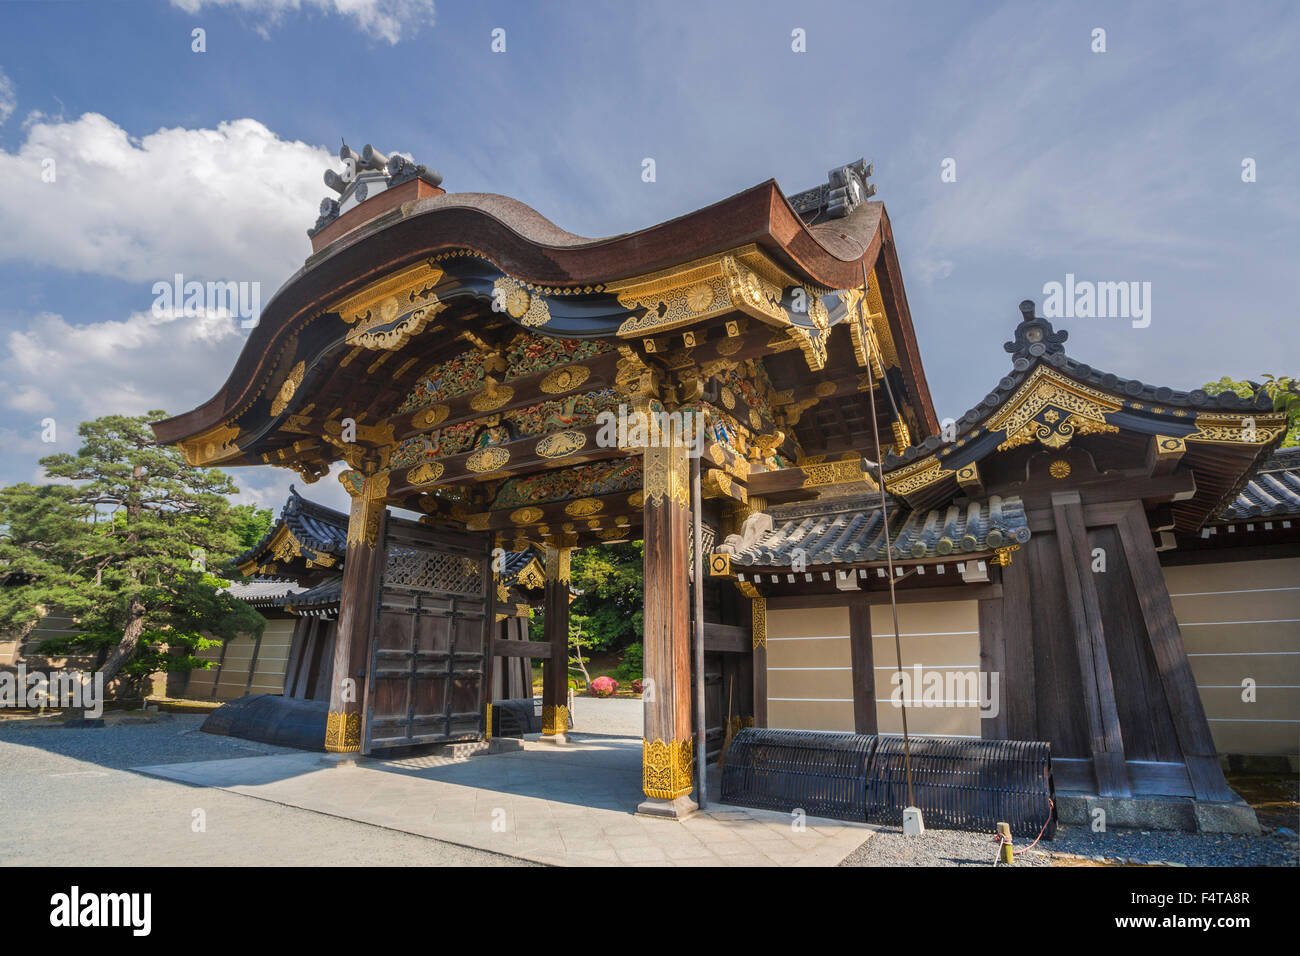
(726, 638)
(537, 650)
(1166, 641)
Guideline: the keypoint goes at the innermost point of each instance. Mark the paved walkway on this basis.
(572, 805)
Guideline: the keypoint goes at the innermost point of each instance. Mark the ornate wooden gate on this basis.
(429, 660)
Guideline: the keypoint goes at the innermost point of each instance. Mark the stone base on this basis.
(677, 809)
(553, 739)
(1157, 813)
(1226, 818)
(505, 745)
(342, 761)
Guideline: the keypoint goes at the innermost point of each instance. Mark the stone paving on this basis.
(572, 805)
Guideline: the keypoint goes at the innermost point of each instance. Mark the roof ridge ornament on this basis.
(1034, 338)
(845, 189)
(361, 173)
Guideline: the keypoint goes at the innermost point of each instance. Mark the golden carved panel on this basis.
(1259, 429)
(423, 474)
(560, 444)
(916, 476)
(487, 459)
(342, 732)
(758, 608)
(288, 388)
(583, 507)
(431, 416)
(667, 769)
(519, 303)
(1051, 409)
(564, 379)
(555, 719)
(666, 477)
(211, 445)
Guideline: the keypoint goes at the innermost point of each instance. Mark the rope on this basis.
(999, 839)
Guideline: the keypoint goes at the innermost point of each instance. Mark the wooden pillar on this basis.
(361, 570)
(862, 660)
(1098, 685)
(758, 619)
(555, 669)
(668, 751)
(758, 631)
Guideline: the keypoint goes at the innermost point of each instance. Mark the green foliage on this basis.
(610, 606)
(250, 524)
(632, 666)
(122, 546)
(1284, 391)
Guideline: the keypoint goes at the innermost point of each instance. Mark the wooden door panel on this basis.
(428, 663)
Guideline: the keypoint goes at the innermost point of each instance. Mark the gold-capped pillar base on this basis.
(343, 733)
(555, 724)
(667, 772)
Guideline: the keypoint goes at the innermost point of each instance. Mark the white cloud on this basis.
(268, 487)
(227, 203)
(128, 367)
(388, 20)
(8, 98)
(147, 361)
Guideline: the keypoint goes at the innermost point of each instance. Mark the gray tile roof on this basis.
(832, 533)
(1035, 341)
(315, 526)
(1273, 491)
(262, 592)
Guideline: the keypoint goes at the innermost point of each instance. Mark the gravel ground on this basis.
(888, 847)
(69, 800)
(610, 716)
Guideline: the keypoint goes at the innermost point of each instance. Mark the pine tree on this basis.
(123, 545)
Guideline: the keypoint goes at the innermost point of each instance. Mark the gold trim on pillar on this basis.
(555, 719)
(667, 475)
(759, 607)
(343, 732)
(667, 769)
(558, 563)
(487, 726)
(368, 492)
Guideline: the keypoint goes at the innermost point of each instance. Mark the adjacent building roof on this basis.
(264, 592)
(306, 535)
(1273, 491)
(1049, 399)
(850, 531)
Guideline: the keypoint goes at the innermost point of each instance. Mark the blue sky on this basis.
(1116, 166)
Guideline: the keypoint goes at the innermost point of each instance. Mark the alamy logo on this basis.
(1098, 300)
(194, 298)
(946, 687)
(75, 908)
(59, 689)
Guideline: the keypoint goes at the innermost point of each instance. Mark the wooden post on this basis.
(1098, 685)
(758, 619)
(1006, 852)
(555, 669)
(361, 570)
(862, 660)
(667, 753)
